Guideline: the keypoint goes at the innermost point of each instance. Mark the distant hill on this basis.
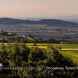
(21, 25)
(49, 22)
(70, 18)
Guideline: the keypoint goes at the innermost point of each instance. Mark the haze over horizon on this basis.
(38, 8)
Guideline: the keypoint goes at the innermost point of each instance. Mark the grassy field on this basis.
(39, 56)
(69, 51)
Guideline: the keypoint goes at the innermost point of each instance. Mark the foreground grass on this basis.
(69, 54)
(39, 56)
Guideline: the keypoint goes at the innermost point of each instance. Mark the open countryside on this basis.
(30, 52)
(67, 50)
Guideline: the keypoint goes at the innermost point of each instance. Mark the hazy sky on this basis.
(38, 8)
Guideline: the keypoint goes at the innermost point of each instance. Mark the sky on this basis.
(38, 8)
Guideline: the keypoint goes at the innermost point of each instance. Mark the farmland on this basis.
(20, 57)
(38, 49)
(67, 50)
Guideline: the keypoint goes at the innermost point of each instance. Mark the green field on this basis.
(69, 51)
(38, 55)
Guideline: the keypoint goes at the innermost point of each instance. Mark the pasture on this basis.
(69, 51)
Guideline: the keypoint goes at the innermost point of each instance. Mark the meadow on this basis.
(30, 60)
(69, 51)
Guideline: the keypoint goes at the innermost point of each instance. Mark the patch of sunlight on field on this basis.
(69, 46)
(72, 55)
(39, 45)
(45, 47)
